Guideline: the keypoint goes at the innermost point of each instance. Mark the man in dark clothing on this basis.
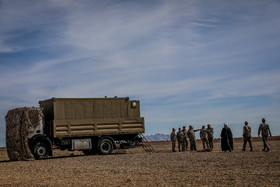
(226, 138)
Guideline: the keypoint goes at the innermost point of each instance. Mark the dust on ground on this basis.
(135, 167)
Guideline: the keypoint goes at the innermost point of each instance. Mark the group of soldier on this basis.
(207, 137)
(182, 136)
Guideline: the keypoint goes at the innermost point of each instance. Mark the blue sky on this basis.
(188, 62)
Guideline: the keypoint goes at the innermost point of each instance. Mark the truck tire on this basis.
(40, 150)
(105, 147)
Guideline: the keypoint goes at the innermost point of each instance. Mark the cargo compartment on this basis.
(84, 117)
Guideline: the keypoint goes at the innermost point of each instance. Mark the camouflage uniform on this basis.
(180, 140)
(173, 139)
(210, 134)
(204, 138)
(184, 140)
(264, 129)
(247, 137)
(191, 136)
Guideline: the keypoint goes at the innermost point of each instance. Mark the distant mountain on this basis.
(166, 137)
(158, 137)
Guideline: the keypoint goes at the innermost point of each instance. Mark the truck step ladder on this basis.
(145, 144)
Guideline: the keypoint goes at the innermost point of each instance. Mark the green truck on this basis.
(91, 125)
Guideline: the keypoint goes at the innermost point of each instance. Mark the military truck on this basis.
(91, 125)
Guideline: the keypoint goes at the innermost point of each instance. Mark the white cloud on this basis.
(183, 54)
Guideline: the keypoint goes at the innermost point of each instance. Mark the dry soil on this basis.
(135, 167)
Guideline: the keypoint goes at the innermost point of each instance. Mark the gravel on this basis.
(134, 167)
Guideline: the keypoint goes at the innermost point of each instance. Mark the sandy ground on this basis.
(135, 167)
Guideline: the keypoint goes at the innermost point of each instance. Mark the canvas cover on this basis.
(89, 108)
(18, 123)
(79, 117)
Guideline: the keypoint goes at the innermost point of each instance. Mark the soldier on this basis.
(191, 136)
(247, 136)
(179, 139)
(184, 139)
(204, 138)
(210, 133)
(173, 139)
(264, 129)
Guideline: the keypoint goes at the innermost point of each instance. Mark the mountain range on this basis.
(158, 137)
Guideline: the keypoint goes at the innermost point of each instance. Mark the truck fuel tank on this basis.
(81, 144)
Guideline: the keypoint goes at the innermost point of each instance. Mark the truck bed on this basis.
(97, 127)
(78, 117)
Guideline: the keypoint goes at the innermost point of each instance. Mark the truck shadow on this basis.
(49, 158)
(66, 156)
(73, 156)
(3, 161)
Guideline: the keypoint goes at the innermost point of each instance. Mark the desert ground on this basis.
(135, 167)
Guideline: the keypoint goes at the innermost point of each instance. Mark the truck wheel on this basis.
(105, 147)
(40, 151)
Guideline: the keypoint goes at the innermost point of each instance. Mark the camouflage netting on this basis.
(18, 122)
